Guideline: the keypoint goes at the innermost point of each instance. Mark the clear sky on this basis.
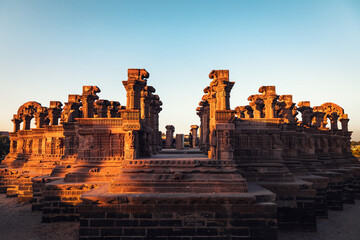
(49, 49)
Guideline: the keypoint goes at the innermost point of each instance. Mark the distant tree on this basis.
(356, 150)
(355, 143)
(4, 146)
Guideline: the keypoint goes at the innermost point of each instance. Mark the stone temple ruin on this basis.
(257, 168)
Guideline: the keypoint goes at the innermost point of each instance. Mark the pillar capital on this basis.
(194, 127)
(170, 128)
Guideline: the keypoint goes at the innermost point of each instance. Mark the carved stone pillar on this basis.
(130, 145)
(101, 108)
(16, 122)
(287, 109)
(244, 112)
(334, 120)
(157, 134)
(153, 121)
(179, 141)
(112, 109)
(134, 85)
(203, 113)
(145, 103)
(269, 97)
(88, 98)
(194, 134)
(40, 119)
(26, 121)
(206, 128)
(222, 87)
(218, 97)
(54, 112)
(344, 123)
(306, 112)
(257, 105)
(222, 143)
(318, 117)
(318, 120)
(211, 99)
(11, 146)
(169, 136)
(199, 112)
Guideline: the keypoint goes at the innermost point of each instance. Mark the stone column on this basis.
(222, 87)
(40, 119)
(54, 112)
(179, 141)
(334, 120)
(257, 105)
(112, 109)
(203, 113)
(160, 140)
(269, 97)
(244, 112)
(169, 136)
(221, 116)
(306, 112)
(16, 122)
(146, 101)
(199, 112)
(319, 117)
(344, 123)
(101, 107)
(206, 128)
(224, 139)
(157, 133)
(130, 145)
(194, 134)
(26, 122)
(287, 109)
(88, 98)
(134, 85)
(210, 98)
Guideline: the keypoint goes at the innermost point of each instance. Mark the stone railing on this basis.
(264, 120)
(100, 121)
(54, 128)
(131, 115)
(224, 116)
(25, 132)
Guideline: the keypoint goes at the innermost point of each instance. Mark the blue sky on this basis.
(49, 49)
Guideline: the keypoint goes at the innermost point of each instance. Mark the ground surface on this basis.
(341, 225)
(17, 221)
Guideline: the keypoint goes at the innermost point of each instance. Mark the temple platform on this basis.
(178, 195)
